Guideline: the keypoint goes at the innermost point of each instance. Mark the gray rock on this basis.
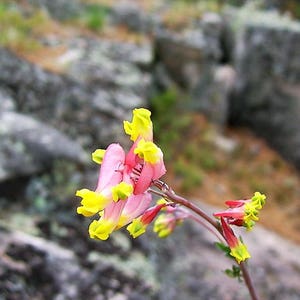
(28, 146)
(113, 65)
(266, 94)
(212, 95)
(131, 15)
(35, 268)
(185, 57)
(90, 114)
(60, 9)
(6, 101)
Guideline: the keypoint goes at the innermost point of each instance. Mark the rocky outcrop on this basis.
(191, 59)
(267, 90)
(82, 107)
(59, 9)
(34, 268)
(28, 146)
(186, 265)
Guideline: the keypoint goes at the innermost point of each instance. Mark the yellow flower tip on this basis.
(141, 125)
(101, 229)
(161, 201)
(258, 200)
(162, 226)
(148, 151)
(121, 191)
(97, 156)
(252, 208)
(136, 228)
(240, 252)
(91, 203)
(249, 224)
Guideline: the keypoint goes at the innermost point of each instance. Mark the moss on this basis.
(19, 31)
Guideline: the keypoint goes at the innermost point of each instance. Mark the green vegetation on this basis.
(183, 149)
(190, 175)
(170, 124)
(94, 17)
(17, 30)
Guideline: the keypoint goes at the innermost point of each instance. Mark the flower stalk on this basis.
(127, 182)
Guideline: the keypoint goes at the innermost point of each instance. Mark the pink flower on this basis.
(144, 163)
(243, 212)
(109, 176)
(121, 193)
(238, 249)
(139, 225)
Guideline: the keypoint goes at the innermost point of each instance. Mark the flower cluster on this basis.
(170, 217)
(240, 213)
(243, 212)
(121, 195)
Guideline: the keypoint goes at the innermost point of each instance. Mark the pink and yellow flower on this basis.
(139, 225)
(167, 221)
(243, 212)
(121, 193)
(238, 249)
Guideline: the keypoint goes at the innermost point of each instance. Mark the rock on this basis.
(60, 9)
(132, 15)
(34, 268)
(191, 60)
(6, 101)
(113, 65)
(212, 95)
(28, 146)
(185, 57)
(266, 94)
(90, 114)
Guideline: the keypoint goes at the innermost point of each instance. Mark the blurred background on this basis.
(222, 79)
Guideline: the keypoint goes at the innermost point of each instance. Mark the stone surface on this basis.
(59, 9)
(113, 65)
(34, 268)
(266, 94)
(6, 101)
(186, 265)
(88, 112)
(28, 146)
(132, 15)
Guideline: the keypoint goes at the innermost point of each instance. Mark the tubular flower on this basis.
(144, 163)
(93, 202)
(166, 222)
(243, 212)
(141, 125)
(135, 206)
(97, 156)
(121, 194)
(164, 225)
(238, 249)
(102, 228)
(139, 225)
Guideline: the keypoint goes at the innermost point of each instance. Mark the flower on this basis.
(141, 125)
(243, 212)
(121, 194)
(139, 225)
(166, 222)
(109, 177)
(144, 164)
(238, 248)
(102, 228)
